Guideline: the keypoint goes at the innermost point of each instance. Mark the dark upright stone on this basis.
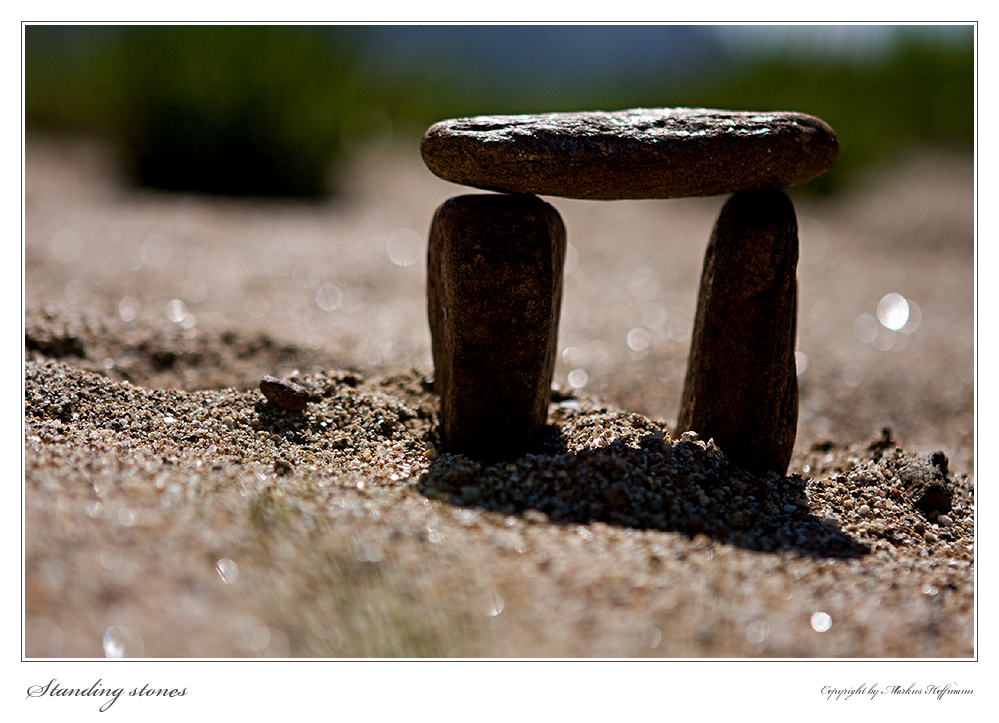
(741, 387)
(494, 291)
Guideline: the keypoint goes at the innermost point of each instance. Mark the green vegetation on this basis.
(268, 110)
(924, 97)
(250, 110)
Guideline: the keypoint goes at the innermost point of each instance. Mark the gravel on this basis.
(170, 509)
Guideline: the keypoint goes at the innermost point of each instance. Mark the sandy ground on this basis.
(170, 511)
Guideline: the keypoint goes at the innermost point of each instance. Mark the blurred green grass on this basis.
(922, 99)
(271, 110)
(250, 110)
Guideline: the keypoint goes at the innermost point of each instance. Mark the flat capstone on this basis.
(641, 153)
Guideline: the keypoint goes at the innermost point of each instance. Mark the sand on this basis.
(171, 511)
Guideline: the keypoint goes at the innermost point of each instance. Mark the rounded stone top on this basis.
(637, 153)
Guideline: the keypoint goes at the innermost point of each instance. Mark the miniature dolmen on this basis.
(495, 265)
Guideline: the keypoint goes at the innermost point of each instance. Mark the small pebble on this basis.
(287, 395)
(944, 521)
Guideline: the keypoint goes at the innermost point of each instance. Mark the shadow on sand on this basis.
(651, 483)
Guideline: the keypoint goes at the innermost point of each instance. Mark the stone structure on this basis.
(741, 386)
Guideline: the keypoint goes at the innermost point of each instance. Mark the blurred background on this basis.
(277, 110)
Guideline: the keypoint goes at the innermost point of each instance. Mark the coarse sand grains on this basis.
(162, 507)
(171, 510)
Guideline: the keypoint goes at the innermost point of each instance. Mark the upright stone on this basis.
(494, 292)
(741, 386)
